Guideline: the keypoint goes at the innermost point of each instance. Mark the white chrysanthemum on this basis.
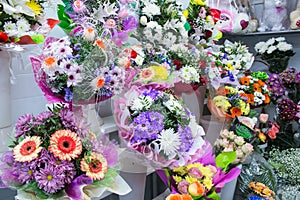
(271, 49)
(260, 47)
(270, 41)
(151, 10)
(189, 74)
(169, 142)
(142, 102)
(283, 46)
(23, 26)
(280, 39)
(10, 28)
(173, 105)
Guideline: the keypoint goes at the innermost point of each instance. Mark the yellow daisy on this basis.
(35, 6)
(95, 166)
(65, 145)
(28, 149)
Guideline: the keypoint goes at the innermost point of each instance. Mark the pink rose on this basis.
(195, 172)
(263, 118)
(183, 187)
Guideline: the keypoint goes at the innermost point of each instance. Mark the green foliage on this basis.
(224, 159)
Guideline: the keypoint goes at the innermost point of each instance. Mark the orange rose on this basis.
(196, 189)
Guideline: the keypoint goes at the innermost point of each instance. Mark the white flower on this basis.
(173, 105)
(169, 142)
(10, 28)
(239, 140)
(143, 20)
(189, 74)
(143, 102)
(151, 10)
(259, 46)
(270, 41)
(23, 26)
(280, 39)
(73, 79)
(271, 49)
(283, 46)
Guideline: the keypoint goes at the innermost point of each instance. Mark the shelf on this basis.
(283, 32)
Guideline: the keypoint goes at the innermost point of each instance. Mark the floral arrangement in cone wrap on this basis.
(54, 155)
(202, 179)
(156, 124)
(22, 21)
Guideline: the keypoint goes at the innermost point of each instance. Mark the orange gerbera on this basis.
(235, 111)
(65, 145)
(250, 99)
(256, 87)
(28, 149)
(245, 80)
(95, 166)
(261, 83)
(268, 99)
(50, 62)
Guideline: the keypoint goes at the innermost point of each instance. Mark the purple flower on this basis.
(297, 77)
(81, 127)
(151, 93)
(23, 124)
(50, 179)
(68, 95)
(183, 187)
(73, 190)
(77, 46)
(67, 118)
(186, 138)
(195, 172)
(147, 125)
(25, 172)
(287, 110)
(130, 23)
(42, 116)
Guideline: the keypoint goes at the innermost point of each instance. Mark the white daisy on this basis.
(169, 142)
(73, 79)
(23, 26)
(10, 28)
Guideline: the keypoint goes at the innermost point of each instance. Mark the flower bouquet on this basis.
(156, 124)
(228, 104)
(202, 179)
(230, 60)
(22, 22)
(276, 52)
(229, 142)
(54, 155)
(253, 87)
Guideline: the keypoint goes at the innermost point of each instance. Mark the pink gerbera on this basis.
(28, 149)
(65, 145)
(95, 166)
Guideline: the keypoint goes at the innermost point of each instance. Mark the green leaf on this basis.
(224, 159)
(252, 113)
(214, 196)
(187, 26)
(38, 38)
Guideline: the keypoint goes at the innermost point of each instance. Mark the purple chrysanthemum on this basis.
(67, 118)
(50, 179)
(25, 172)
(81, 127)
(42, 116)
(147, 125)
(297, 77)
(23, 124)
(130, 23)
(186, 138)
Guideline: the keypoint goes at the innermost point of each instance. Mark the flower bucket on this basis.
(227, 192)
(278, 65)
(5, 89)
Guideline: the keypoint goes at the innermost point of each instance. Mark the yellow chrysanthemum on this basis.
(206, 171)
(198, 2)
(207, 182)
(190, 179)
(231, 90)
(180, 170)
(35, 6)
(161, 73)
(195, 165)
(177, 179)
(186, 13)
(222, 102)
(247, 109)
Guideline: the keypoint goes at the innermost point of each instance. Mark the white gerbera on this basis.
(23, 26)
(169, 142)
(10, 28)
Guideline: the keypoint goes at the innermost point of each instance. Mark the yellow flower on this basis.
(186, 13)
(221, 101)
(161, 73)
(35, 6)
(196, 165)
(247, 109)
(190, 179)
(198, 2)
(207, 182)
(177, 179)
(231, 90)
(229, 66)
(206, 171)
(180, 170)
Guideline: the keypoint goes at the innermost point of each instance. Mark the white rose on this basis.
(143, 20)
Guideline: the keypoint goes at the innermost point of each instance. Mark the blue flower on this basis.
(68, 95)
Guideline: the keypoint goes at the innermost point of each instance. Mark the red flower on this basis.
(133, 54)
(178, 64)
(3, 37)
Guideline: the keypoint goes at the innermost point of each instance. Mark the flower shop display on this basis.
(253, 87)
(156, 124)
(54, 155)
(276, 52)
(22, 22)
(202, 179)
(230, 60)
